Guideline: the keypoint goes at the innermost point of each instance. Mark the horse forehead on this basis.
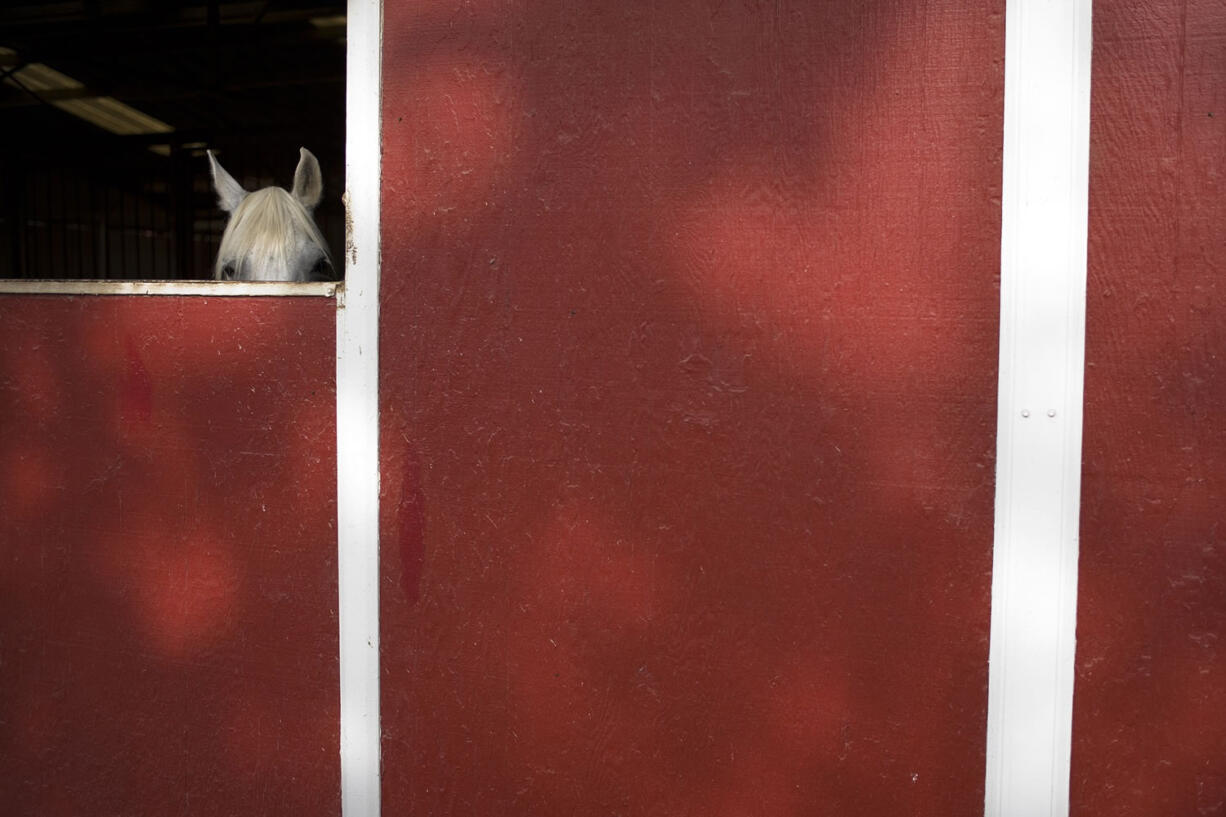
(268, 219)
(269, 207)
(268, 194)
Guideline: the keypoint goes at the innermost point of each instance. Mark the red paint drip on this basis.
(136, 396)
(411, 530)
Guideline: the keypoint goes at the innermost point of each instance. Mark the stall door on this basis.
(167, 527)
(688, 349)
(1149, 723)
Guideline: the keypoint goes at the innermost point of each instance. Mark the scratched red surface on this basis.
(688, 380)
(168, 589)
(1149, 727)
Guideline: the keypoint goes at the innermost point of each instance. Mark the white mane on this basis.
(267, 226)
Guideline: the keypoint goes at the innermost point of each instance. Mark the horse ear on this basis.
(308, 182)
(230, 194)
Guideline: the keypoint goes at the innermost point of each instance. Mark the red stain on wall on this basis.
(168, 597)
(1149, 726)
(137, 394)
(689, 317)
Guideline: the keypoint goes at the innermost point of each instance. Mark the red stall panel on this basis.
(1149, 728)
(168, 590)
(689, 317)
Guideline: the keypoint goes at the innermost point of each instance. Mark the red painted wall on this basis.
(689, 317)
(1149, 729)
(168, 589)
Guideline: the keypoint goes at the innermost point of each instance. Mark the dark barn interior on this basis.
(108, 107)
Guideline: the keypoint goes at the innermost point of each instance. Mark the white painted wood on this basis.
(212, 289)
(357, 420)
(1039, 412)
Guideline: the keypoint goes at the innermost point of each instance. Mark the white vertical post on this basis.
(357, 419)
(1039, 411)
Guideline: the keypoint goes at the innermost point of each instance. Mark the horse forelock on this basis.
(268, 224)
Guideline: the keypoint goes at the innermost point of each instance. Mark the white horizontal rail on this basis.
(213, 289)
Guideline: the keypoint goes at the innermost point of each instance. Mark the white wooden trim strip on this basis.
(1039, 410)
(357, 420)
(212, 289)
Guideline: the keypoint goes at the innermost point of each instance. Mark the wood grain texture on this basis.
(1149, 729)
(688, 377)
(168, 593)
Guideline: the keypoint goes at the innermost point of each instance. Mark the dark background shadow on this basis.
(253, 81)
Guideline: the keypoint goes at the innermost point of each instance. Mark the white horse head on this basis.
(271, 235)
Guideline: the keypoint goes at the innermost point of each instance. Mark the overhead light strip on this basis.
(104, 112)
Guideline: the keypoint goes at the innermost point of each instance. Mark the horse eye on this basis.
(227, 272)
(322, 271)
